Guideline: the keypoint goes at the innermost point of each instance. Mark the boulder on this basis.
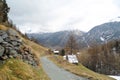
(2, 49)
(12, 32)
(29, 58)
(20, 41)
(1, 39)
(2, 32)
(13, 52)
(4, 36)
(14, 43)
(13, 38)
(26, 53)
(7, 39)
(17, 49)
(6, 44)
(4, 57)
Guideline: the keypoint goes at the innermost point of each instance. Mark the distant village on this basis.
(71, 58)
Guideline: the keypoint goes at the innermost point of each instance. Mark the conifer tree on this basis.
(4, 9)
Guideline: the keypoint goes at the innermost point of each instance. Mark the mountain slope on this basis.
(98, 35)
(57, 39)
(104, 32)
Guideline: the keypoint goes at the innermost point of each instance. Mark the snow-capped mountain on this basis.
(98, 35)
(103, 33)
(117, 19)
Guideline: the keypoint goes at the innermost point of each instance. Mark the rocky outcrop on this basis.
(11, 46)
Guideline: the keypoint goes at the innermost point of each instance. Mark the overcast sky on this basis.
(57, 15)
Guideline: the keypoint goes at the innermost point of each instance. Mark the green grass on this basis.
(17, 70)
(78, 69)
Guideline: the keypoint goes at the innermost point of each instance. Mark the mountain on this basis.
(98, 35)
(56, 39)
(103, 33)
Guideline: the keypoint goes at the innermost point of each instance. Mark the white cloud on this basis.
(55, 15)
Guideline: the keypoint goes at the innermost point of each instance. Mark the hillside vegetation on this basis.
(78, 69)
(103, 59)
(16, 69)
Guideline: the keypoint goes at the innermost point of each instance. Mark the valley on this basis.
(96, 47)
(45, 41)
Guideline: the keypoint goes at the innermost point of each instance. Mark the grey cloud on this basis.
(52, 13)
(36, 11)
(117, 3)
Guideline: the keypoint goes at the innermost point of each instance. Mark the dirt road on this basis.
(56, 73)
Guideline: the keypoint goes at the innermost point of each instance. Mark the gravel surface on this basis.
(56, 73)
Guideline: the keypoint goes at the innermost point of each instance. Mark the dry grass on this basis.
(36, 48)
(79, 69)
(18, 70)
(2, 27)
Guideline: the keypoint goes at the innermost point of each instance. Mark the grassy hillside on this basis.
(79, 69)
(17, 70)
(14, 69)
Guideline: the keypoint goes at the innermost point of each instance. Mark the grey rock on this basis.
(13, 52)
(6, 51)
(29, 58)
(2, 32)
(14, 43)
(7, 39)
(2, 49)
(5, 36)
(23, 57)
(19, 40)
(1, 39)
(16, 48)
(26, 53)
(12, 32)
(13, 38)
(6, 44)
(5, 57)
(10, 56)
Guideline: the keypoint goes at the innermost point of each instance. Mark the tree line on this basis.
(103, 58)
(4, 9)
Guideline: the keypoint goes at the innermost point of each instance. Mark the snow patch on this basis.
(116, 77)
(102, 39)
(117, 19)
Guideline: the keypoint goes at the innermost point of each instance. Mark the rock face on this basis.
(11, 46)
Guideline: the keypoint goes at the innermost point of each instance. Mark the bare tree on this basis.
(71, 45)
